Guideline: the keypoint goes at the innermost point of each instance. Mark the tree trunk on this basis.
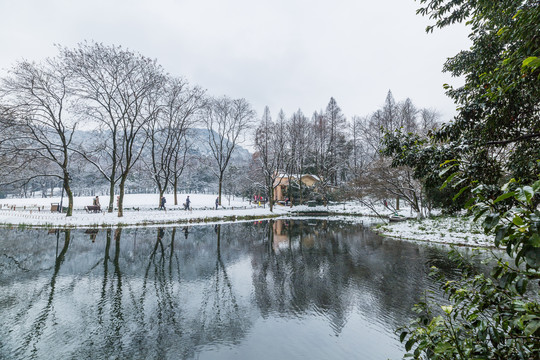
(69, 193)
(70, 201)
(161, 194)
(271, 235)
(111, 197)
(218, 233)
(121, 197)
(300, 184)
(175, 190)
(173, 236)
(397, 203)
(220, 185)
(271, 198)
(161, 191)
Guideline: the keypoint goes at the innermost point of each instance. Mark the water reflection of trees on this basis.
(157, 293)
(147, 315)
(331, 269)
(221, 318)
(33, 336)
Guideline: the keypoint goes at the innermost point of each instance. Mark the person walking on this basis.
(217, 202)
(162, 203)
(187, 203)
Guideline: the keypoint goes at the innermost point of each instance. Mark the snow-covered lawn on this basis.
(142, 209)
(442, 229)
(142, 201)
(139, 209)
(439, 229)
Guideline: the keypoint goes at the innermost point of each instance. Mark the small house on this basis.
(282, 182)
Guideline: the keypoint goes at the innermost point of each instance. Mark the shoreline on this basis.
(446, 230)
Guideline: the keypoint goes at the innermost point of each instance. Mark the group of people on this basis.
(162, 202)
(258, 199)
(187, 204)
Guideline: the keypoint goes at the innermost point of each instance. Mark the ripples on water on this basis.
(278, 289)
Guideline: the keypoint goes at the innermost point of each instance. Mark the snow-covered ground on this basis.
(142, 209)
(442, 229)
(139, 209)
(142, 201)
(438, 229)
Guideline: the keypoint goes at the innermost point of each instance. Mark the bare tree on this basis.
(167, 133)
(15, 162)
(336, 126)
(360, 156)
(35, 99)
(320, 158)
(183, 110)
(298, 135)
(388, 117)
(407, 116)
(181, 160)
(379, 180)
(226, 120)
(115, 87)
(429, 120)
(270, 144)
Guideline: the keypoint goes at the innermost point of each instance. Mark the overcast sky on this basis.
(287, 54)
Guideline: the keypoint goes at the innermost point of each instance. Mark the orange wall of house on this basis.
(309, 181)
(278, 195)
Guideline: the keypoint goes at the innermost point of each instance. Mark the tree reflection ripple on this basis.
(283, 288)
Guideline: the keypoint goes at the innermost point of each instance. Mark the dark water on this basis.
(269, 290)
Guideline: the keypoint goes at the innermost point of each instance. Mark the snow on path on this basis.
(139, 209)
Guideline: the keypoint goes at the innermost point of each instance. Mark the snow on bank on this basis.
(446, 230)
(439, 229)
(142, 209)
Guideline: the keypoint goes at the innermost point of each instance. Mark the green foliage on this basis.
(498, 104)
(495, 316)
(304, 193)
(514, 219)
(425, 156)
(495, 137)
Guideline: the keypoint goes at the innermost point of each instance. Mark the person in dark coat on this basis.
(217, 202)
(187, 203)
(162, 203)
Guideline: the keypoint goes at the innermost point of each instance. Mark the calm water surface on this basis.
(267, 290)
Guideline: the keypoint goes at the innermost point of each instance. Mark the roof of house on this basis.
(283, 176)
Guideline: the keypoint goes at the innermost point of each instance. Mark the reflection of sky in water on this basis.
(270, 290)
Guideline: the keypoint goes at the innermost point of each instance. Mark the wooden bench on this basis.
(55, 207)
(92, 208)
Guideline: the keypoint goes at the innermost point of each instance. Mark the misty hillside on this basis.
(197, 176)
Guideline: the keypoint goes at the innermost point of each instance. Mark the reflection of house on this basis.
(281, 236)
(282, 182)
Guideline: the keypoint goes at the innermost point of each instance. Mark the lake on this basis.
(284, 289)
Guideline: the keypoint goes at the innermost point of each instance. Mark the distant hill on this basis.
(197, 177)
(201, 146)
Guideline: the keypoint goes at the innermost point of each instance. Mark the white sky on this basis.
(286, 54)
